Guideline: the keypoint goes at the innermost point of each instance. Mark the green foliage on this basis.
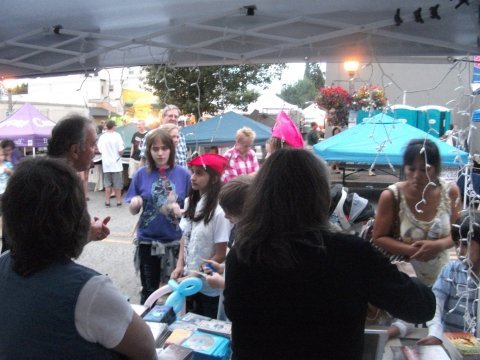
(117, 119)
(315, 74)
(20, 89)
(209, 88)
(304, 91)
(300, 93)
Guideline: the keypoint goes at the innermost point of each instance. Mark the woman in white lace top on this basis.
(417, 227)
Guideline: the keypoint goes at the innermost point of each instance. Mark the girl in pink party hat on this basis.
(285, 133)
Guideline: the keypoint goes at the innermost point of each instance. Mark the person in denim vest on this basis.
(52, 307)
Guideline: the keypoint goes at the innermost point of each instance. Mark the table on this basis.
(356, 168)
(437, 352)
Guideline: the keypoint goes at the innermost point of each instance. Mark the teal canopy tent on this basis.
(220, 130)
(381, 140)
(127, 131)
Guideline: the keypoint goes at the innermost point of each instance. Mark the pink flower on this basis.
(368, 96)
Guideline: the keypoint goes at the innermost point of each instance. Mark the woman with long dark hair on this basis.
(295, 290)
(158, 189)
(205, 229)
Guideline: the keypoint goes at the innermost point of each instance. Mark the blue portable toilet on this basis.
(404, 112)
(363, 114)
(440, 115)
(476, 116)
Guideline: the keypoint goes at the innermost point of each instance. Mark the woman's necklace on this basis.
(163, 173)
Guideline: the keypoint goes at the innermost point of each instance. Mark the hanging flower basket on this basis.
(336, 101)
(369, 97)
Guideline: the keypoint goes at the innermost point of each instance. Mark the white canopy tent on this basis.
(55, 37)
(314, 113)
(271, 104)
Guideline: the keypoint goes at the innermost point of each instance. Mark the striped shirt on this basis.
(455, 292)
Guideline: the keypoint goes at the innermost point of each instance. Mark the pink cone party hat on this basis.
(286, 130)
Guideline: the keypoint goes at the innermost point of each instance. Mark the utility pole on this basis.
(10, 102)
(7, 91)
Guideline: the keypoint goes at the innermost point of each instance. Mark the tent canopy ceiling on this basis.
(55, 37)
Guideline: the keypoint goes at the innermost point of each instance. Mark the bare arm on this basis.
(220, 252)
(214, 279)
(428, 249)
(138, 341)
(178, 272)
(384, 227)
(455, 202)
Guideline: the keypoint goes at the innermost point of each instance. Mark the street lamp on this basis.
(351, 67)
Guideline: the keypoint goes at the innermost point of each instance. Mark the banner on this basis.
(476, 70)
(140, 105)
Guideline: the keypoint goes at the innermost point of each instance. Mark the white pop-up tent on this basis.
(314, 113)
(271, 104)
(55, 37)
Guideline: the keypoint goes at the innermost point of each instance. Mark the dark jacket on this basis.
(318, 309)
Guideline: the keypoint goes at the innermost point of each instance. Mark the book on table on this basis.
(161, 314)
(188, 321)
(208, 346)
(174, 352)
(217, 327)
(194, 318)
(178, 336)
(180, 324)
(462, 345)
(158, 318)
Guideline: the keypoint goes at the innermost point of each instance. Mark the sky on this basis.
(290, 76)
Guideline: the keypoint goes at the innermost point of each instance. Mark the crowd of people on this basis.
(271, 262)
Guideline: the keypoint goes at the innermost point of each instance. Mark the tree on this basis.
(304, 91)
(314, 73)
(300, 93)
(209, 88)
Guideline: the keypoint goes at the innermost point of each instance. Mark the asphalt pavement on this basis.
(114, 255)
